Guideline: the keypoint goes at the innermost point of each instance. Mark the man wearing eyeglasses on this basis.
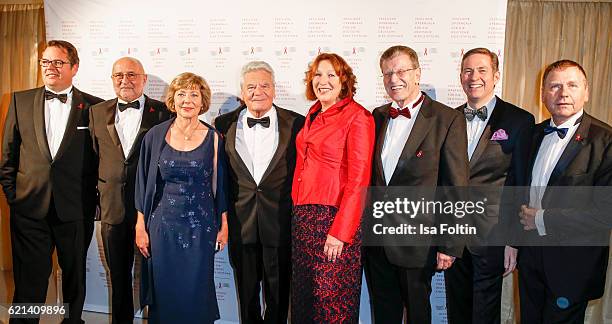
(419, 142)
(48, 172)
(117, 128)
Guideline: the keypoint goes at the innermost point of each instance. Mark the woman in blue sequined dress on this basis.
(182, 208)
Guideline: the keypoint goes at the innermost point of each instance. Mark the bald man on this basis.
(117, 127)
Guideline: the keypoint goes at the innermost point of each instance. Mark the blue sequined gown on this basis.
(182, 232)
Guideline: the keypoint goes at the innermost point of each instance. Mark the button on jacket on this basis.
(334, 159)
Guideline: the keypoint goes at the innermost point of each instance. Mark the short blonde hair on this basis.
(188, 80)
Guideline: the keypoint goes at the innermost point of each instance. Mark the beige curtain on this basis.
(22, 31)
(539, 33)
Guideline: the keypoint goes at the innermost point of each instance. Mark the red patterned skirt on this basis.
(322, 291)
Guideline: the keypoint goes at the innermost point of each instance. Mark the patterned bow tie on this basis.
(51, 95)
(470, 113)
(134, 104)
(394, 112)
(561, 132)
(265, 122)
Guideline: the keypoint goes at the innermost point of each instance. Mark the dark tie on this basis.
(470, 113)
(394, 112)
(134, 104)
(561, 132)
(265, 122)
(51, 95)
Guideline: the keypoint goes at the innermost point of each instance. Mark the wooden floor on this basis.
(6, 293)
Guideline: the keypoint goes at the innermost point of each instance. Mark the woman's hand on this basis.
(142, 238)
(332, 248)
(142, 241)
(222, 235)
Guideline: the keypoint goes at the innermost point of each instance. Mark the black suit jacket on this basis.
(117, 174)
(261, 213)
(577, 272)
(497, 163)
(30, 177)
(439, 135)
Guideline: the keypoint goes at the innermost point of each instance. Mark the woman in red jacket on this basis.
(334, 154)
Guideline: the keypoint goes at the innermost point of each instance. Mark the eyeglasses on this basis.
(130, 76)
(57, 63)
(400, 73)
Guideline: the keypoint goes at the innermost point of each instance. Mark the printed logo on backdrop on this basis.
(219, 56)
(158, 57)
(188, 57)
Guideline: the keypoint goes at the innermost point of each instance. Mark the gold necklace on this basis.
(185, 136)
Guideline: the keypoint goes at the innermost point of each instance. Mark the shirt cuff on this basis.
(539, 221)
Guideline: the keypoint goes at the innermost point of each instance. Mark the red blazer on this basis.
(334, 162)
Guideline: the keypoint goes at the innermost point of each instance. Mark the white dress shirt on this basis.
(261, 142)
(548, 155)
(398, 131)
(476, 126)
(56, 119)
(127, 124)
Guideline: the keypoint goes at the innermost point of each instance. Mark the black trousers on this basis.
(393, 289)
(33, 242)
(254, 265)
(474, 286)
(538, 304)
(118, 243)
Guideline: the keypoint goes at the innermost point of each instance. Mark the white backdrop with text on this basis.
(214, 39)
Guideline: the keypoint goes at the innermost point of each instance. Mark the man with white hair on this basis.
(260, 147)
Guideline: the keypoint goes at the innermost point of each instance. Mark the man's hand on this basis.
(527, 215)
(444, 261)
(509, 260)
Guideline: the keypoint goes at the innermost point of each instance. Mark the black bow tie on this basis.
(51, 95)
(470, 113)
(561, 132)
(134, 104)
(265, 122)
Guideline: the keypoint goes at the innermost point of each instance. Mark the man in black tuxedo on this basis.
(117, 128)
(260, 146)
(570, 149)
(499, 138)
(419, 142)
(48, 172)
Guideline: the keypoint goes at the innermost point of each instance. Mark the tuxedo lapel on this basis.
(149, 119)
(38, 113)
(419, 131)
(485, 138)
(382, 130)
(78, 104)
(236, 148)
(110, 124)
(572, 148)
(538, 136)
(284, 135)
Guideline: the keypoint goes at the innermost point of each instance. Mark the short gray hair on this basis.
(255, 66)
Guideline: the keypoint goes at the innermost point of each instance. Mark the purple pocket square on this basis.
(499, 135)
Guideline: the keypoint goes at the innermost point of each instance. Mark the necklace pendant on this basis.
(186, 138)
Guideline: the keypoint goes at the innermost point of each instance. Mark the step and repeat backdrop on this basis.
(214, 39)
